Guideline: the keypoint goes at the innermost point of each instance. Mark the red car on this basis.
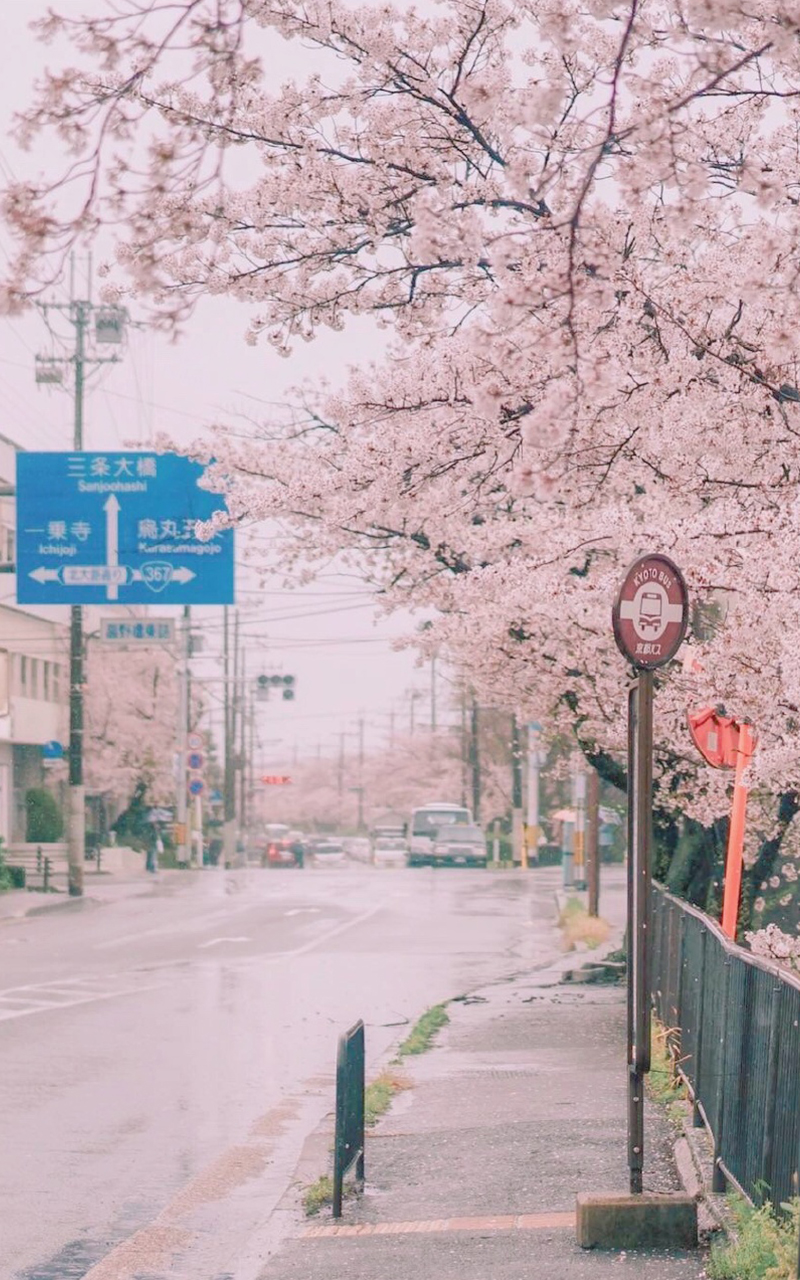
(282, 853)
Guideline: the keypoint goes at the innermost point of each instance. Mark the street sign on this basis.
(194, 741)
(122, 527)
(275, 780)
(137, 631)
(195, 760)
(651, 612)
(52, 750)
(196, 786)
(716, 737)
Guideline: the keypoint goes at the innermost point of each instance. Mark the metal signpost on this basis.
(649, 619)
(95, 528)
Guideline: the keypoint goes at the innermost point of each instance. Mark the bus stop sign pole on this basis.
(649, 619)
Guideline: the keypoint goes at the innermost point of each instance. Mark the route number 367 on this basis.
(156, 574)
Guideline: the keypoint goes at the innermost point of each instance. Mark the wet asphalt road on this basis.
(163, 1056)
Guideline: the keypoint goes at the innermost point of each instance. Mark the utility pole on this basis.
(413, 695)
(77, 802)
(534, 763)
(518, 851)
(181, 807)
(360, 788)
(593, 841)
(251, 759)
(229, 784)
(465, 753)
(340, 767)
(243, 745)
(433, 694)
(475, 760)
(579, 803)
(79, 312)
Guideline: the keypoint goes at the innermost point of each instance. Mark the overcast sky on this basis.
(326, 634)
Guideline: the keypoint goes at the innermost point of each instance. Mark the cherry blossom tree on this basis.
(415, 770)
(131, 719)
(578, 226)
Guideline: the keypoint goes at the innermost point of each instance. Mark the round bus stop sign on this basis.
(651, 612)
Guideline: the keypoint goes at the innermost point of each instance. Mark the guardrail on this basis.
(348, 1146)
(42, 864)
(738, 1020)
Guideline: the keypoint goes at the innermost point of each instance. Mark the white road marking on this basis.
(67, 993)
(303, 911)
(216, 941)
(326, 937)
(32, 1005)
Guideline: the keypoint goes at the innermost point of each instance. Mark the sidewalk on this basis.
(101, 887)
(473, 1173)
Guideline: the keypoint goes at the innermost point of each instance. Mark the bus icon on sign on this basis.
(651, 608)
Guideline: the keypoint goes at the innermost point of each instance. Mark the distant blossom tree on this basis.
(578, 224)
(131, 718)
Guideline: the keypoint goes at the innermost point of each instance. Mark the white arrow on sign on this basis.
(183, 575)
(111, 508)
(44, 575)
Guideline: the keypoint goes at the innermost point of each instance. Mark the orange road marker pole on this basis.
(733, 860)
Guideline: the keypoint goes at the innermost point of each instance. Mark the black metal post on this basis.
(640, 797)
(348, 1143)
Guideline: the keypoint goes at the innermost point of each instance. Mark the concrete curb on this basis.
(694, 1160)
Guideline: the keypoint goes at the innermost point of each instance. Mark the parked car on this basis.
(328, 853)
(459, 845)
(390, 851)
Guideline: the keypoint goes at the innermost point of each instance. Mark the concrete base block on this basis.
(636, 1222)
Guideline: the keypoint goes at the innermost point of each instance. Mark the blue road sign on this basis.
(122, 527)
(196, 786)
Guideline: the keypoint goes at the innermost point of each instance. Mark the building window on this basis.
(34, 689)
(56, 681)
(46, 681)
(23, 675)
(10, 549)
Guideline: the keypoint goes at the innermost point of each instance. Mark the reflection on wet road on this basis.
(162, 1056)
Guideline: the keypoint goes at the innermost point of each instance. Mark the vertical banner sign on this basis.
(649, 618)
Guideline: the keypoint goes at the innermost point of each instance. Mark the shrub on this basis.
(43, 821)
(762, 1246)
(8, 880)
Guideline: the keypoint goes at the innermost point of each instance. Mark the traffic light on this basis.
(284, 683)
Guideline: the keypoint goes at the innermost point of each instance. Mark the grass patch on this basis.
(579, 929)
(663, 1082)
(762, 1245)
(421, 1037)
(318, 1195)
(379, 1093)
